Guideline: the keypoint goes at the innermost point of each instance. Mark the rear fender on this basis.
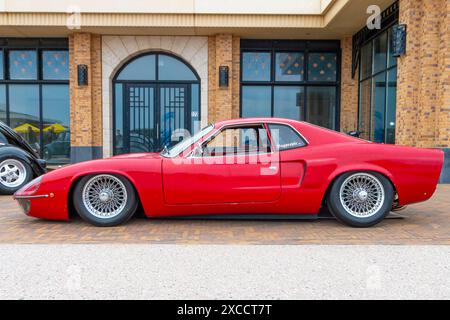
(357, 167)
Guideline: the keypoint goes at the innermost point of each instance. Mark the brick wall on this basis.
(223, 50)
(349, 89)
(85, 101)
(423, 101)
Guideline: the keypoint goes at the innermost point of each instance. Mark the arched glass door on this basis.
(156, 103)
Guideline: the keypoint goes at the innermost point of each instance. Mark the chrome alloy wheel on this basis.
(12, 173)
(362, 195)
(104, 196)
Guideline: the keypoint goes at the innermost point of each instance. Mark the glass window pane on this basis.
(289, 66)
(366, 61)
(392, 61)
(24, 112)
(170, 68)
(321, 106)
(236, 141)
(391, 105)
(256, 66)
(284, 137)
(364, 108)
(322, 67)
(3, 103)
(379, 53)
(288, 102)
(56, 123)
(378, 109)
(118, 116)
(55, 65)
(22, 65)
(195, 109)
(256, 101)
(142, 68)
(2, 73)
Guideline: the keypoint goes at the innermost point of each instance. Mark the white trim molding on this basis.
(117, 50)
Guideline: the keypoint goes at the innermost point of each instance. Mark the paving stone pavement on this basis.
(425, 223)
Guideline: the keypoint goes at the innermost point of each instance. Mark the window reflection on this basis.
(378, 111)
(56, 123)
(256, 66)
(3, 116)
(322, 67)
(391, 105)
(289, 66)
(1, 65)
(142, 68)
(23, 64)
(379, 53)
(170, 68)
(288, 102)
(55, 65)
(321, 105)
(118, 118)
(364, 111)
(256, 101)
(366, 61)
(24, 112)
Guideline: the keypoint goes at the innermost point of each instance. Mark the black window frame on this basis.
(389, 18)
(285, 46)
(38, 45)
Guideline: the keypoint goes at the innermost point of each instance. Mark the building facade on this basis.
(80, 80)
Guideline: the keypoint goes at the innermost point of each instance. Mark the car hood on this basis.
(146, 155)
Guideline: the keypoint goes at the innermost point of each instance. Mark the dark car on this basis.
(19, 163)
(60, 147)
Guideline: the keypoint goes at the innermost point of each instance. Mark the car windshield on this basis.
(184, 144)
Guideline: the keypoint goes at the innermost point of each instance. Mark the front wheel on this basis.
(360, 199)
(105, 200)
(14, 174)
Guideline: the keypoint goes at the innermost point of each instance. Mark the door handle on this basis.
(273, 168)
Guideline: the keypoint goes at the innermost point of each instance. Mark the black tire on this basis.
(336, 207)
(127, 210)
(27, 171)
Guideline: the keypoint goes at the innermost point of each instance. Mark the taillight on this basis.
(30, 188)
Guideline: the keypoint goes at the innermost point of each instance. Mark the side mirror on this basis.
(354, 133)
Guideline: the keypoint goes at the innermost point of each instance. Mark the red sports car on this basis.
(251, 167)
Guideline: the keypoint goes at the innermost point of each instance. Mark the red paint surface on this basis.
(297, 186)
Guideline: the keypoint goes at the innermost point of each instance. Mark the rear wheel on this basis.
(14, 174)
(360, 199)
(105, 200)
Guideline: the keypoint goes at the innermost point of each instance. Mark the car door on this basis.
(235, 165)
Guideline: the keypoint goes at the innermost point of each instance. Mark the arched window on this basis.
(156, 103)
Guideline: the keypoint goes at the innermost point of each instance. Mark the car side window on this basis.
(284, 137)
(238, 141)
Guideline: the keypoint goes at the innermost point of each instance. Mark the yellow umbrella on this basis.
(57, 128)
(23, 128)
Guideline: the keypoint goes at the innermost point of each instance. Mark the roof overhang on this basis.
(250, 18)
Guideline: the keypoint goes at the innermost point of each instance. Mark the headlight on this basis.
(30, 188)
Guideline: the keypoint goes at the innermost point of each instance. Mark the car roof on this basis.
(259, 119)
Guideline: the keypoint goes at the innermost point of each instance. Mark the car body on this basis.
(58, 147)
(292, 180)
(16, 152)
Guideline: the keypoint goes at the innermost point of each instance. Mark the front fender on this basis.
(14, 152)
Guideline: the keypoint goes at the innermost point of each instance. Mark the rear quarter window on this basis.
(284, 137)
